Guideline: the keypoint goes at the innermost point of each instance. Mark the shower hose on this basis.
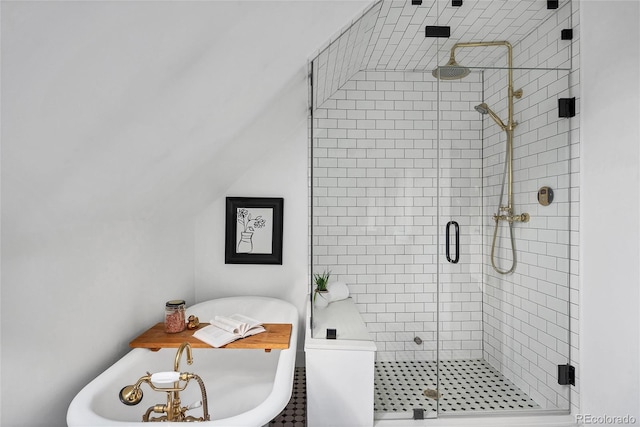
(495, 230)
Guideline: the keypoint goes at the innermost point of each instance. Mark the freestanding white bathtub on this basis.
(244, 387)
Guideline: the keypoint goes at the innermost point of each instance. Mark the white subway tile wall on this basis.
(390, 35)
(527, 314)
(398, 40)
(376, 206)
(337, 62)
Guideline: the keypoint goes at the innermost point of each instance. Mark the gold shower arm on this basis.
(512, 93)
(511, 124)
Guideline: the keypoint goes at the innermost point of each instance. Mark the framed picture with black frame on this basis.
(253, 232)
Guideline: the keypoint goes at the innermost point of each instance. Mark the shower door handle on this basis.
(447, 245)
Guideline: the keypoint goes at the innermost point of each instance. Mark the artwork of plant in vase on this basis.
(251, 221)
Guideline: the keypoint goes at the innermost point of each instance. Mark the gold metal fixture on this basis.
(193, 322)
(172, 411)
(132, 394)
(176, 363)
(512, 218)
(545, 196)
(452, 70)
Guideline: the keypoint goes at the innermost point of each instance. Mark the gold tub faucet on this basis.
(172, 410)
(176, 363)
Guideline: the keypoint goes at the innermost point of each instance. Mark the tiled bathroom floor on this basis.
(295, 413)
(465, 385)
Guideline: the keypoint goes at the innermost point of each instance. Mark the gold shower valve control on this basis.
(545, 196)
(525, 217)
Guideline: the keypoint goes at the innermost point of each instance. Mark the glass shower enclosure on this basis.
(445, 204)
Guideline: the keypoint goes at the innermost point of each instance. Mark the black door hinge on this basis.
(566, 107)
(418, 413)
(566, 374)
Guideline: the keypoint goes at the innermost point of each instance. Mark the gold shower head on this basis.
(451, 70)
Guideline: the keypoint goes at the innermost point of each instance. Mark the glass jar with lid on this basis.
(174, 316)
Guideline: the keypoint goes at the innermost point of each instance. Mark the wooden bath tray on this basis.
(276, 337)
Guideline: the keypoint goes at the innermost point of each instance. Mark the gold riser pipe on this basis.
(508, 128)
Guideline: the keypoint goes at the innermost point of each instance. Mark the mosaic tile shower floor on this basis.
(465, 385)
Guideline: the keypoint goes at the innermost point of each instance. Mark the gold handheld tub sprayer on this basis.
(172, 411)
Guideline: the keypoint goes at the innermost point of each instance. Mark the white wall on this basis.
(282, 173)
(73, 298)
(87, 264)
(610, 236)
(121, 123)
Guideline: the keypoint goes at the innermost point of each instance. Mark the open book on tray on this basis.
(224, 330)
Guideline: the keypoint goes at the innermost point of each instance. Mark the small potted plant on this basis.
(321, 281)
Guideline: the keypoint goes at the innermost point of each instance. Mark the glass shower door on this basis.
(503, 301)
(460, 242)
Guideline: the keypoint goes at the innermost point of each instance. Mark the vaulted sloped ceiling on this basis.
(120, 110)
(390, 36)
(126, 110)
